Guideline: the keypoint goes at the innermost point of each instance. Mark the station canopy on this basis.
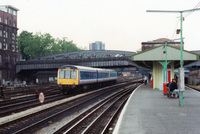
(158, 53)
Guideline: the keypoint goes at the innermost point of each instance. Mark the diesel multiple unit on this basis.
(80, 77)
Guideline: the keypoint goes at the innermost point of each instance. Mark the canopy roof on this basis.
(146, 58)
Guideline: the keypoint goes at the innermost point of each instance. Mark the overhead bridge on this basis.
(100, 59)
(55, 64)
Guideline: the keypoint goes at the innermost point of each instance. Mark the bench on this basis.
(171, 94)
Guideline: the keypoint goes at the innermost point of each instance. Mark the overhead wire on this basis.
(188, 14)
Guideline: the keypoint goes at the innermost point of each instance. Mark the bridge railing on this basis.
(73, 60)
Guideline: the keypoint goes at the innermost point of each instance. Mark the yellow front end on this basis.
(68, 77)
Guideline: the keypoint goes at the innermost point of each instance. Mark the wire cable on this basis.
(193, 10)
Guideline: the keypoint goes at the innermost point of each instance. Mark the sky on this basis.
(120, 24)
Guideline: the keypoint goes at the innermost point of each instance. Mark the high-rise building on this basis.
(98, 45)
(8, 42)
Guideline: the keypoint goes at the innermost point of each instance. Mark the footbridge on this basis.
(101, 59)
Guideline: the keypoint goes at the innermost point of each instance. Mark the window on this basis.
(0, 33)
(73, 74)
(6, 46)
(67, 74)
(6, 34)
(6, 21)
(103, 75)
(0, 75)
(88, 75)
(0, 59)
(14, 12)
(0, 18)
(61, 74)
(13, 48)
(0, 45)
(113, 74)
(10, 11)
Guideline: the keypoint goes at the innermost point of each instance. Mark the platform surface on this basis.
(148, 111)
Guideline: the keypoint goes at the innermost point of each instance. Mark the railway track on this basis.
(21, 103)
(29, 103)
(70, 108)
(97, 119)
(197, 89)
(29, 90)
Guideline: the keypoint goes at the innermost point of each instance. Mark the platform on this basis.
(148, 111)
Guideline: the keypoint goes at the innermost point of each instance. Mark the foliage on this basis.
(33, 46)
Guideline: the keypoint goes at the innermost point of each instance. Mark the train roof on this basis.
(83, 68)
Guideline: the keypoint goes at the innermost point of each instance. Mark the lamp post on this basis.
(181, 89)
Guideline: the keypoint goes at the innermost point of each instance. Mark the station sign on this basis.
(181, 79)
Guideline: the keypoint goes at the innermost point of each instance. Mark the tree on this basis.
(66, 46)
(34, 46)
(24, 40)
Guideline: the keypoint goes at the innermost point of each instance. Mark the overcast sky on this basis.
(120, 24)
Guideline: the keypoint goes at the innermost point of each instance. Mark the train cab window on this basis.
(61, 74)
(67, 74)
(73, 74)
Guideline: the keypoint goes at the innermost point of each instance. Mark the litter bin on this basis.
(165, 88)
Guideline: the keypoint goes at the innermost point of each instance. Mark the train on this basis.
(76, 78)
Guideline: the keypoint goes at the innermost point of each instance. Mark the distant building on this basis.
(158, 42)
(98, 45)
(8, 42)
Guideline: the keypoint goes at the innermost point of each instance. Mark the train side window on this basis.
(112, 74)
(73, 74)
(82, 74)
(94, 75)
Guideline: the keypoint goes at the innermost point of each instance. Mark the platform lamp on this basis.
(181, 70)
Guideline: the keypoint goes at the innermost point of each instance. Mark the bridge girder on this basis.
(94, 62)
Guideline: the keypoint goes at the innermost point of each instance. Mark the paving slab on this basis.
(148, 111)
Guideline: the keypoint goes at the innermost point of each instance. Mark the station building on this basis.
(157, 54)
(158, 42)
(8, 42)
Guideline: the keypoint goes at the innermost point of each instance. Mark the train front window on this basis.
(61, 74)
(67, 74)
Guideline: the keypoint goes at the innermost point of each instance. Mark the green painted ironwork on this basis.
(181, 17)
(181, 27)
(164, 63)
